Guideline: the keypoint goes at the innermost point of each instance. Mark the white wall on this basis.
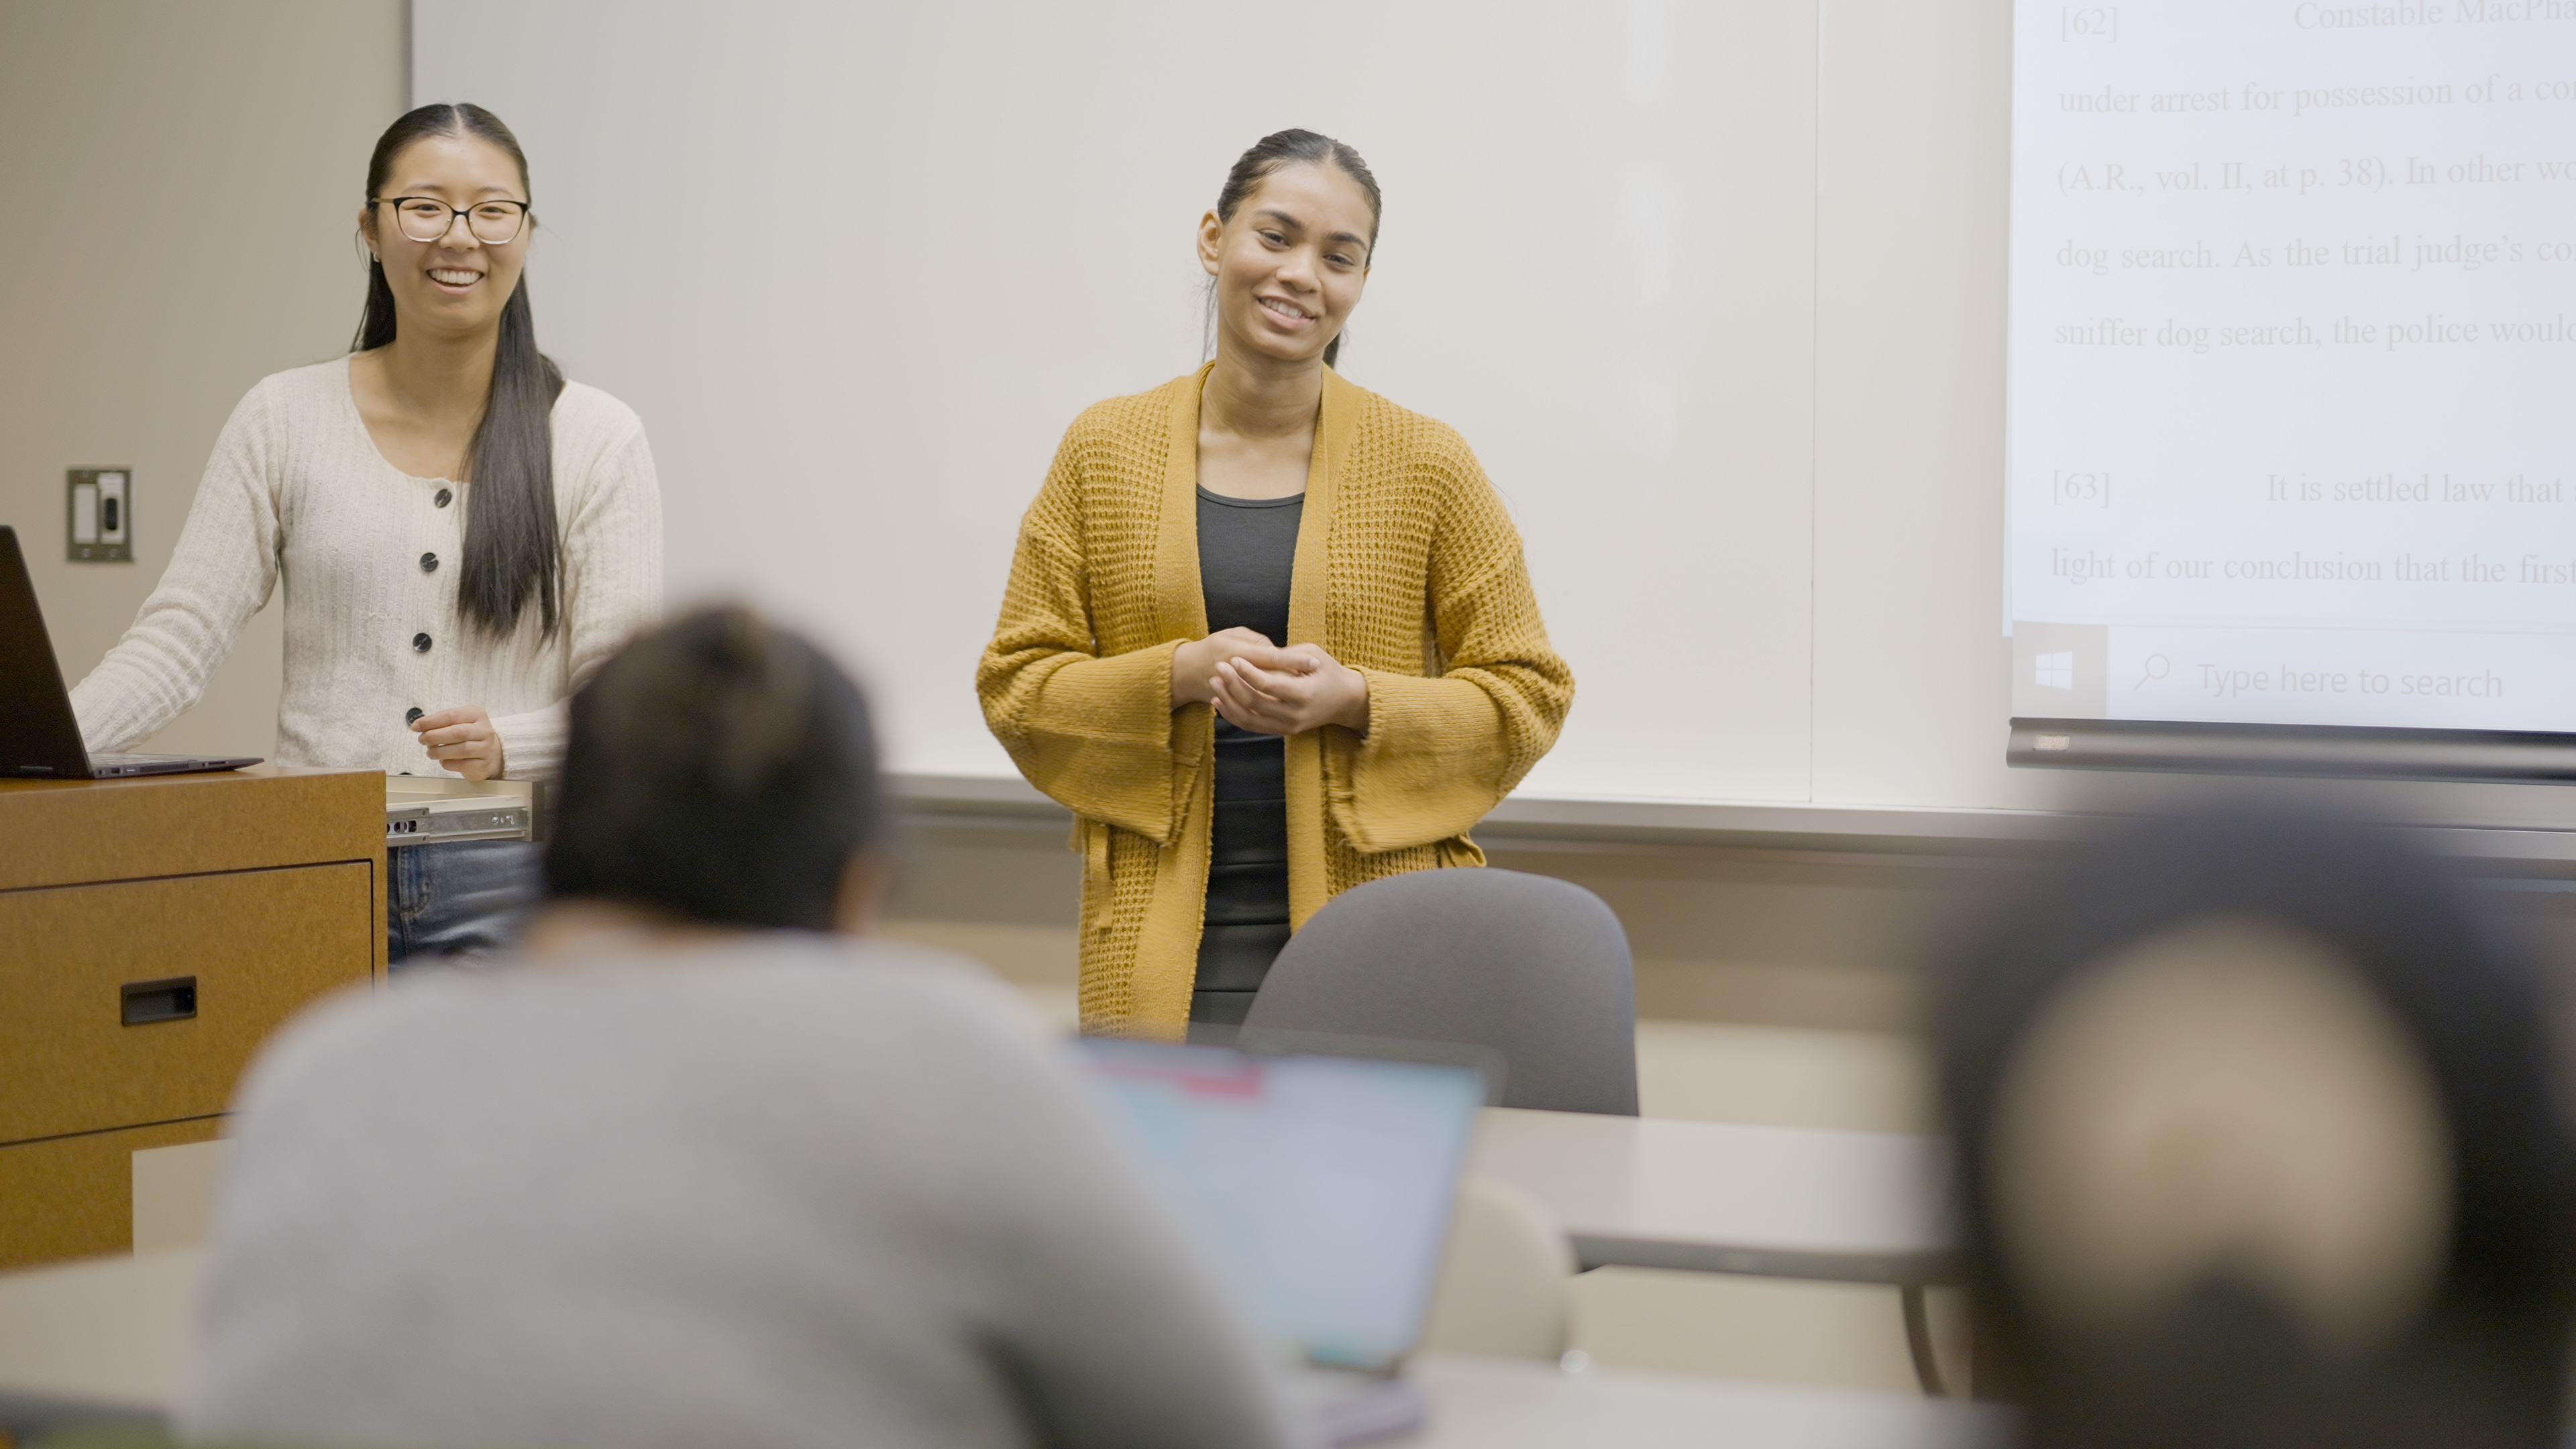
(182, 184)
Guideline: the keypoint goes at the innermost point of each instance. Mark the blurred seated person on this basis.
(2258, 1141)
(712, 1166)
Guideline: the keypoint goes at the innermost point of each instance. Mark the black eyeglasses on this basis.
(427, 219)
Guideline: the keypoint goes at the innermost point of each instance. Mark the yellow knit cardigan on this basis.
(1407, 569)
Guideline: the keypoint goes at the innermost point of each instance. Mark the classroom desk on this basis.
(1717, 1197)
(122, 1331)
(1500, 1403)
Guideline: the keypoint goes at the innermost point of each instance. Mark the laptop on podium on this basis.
(1323, 1185)
(39, 738)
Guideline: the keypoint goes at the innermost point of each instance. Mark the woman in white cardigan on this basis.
(464, 535)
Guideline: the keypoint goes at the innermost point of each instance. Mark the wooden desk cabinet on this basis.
(152, 932)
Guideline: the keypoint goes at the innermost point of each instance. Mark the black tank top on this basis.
(1247, 560)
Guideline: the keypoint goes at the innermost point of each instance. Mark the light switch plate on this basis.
(102, 515)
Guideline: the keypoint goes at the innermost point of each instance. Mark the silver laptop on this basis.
(39, 738)
(1324, 1185)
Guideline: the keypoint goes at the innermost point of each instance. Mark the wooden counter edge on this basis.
(83, 832)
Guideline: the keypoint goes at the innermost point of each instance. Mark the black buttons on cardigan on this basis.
(441, 497)
(420, 643)
(412, 714)
(429, 563)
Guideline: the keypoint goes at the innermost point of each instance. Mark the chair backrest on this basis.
(1533, 967)
(1506, 1281)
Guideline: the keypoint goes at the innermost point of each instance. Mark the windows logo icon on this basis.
(2058, 671)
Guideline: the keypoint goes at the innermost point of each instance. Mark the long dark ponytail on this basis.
(1288, 148)
(512, 558)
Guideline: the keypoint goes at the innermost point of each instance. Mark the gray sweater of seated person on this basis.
(776, 1191)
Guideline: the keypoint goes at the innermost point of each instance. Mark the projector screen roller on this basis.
(2291, 429)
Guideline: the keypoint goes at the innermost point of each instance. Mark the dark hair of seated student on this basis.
(2258, 1144)
(721, 771)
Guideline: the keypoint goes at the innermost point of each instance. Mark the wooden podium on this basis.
(152, 932)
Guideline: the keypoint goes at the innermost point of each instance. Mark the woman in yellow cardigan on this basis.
(1268, 636)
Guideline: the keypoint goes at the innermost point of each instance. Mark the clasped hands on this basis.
(1258, 686)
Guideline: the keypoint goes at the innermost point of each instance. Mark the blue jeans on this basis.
(464, 900)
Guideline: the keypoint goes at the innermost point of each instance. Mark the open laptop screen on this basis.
(1324, 1184)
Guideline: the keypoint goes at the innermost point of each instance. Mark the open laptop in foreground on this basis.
(1324, 1185)
(39, 738)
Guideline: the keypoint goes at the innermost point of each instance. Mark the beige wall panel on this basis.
(184, 183)
(1717, 936)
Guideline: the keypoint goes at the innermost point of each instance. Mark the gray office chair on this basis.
(1533, 967)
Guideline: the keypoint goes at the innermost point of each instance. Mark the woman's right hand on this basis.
(1194, 664)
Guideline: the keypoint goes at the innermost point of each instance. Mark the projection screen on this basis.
(2291, 426)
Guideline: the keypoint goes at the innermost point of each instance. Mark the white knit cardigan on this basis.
(370, 554)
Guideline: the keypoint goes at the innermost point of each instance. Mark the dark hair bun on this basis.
(720, 768)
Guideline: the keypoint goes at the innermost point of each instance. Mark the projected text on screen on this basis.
(2292, 398)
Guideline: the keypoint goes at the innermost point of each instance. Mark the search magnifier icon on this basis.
(2158, 667)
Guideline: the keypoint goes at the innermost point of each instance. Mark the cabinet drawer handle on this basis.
(172, 998)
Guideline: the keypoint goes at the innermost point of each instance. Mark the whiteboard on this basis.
(1716, 291)
(857, 267)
